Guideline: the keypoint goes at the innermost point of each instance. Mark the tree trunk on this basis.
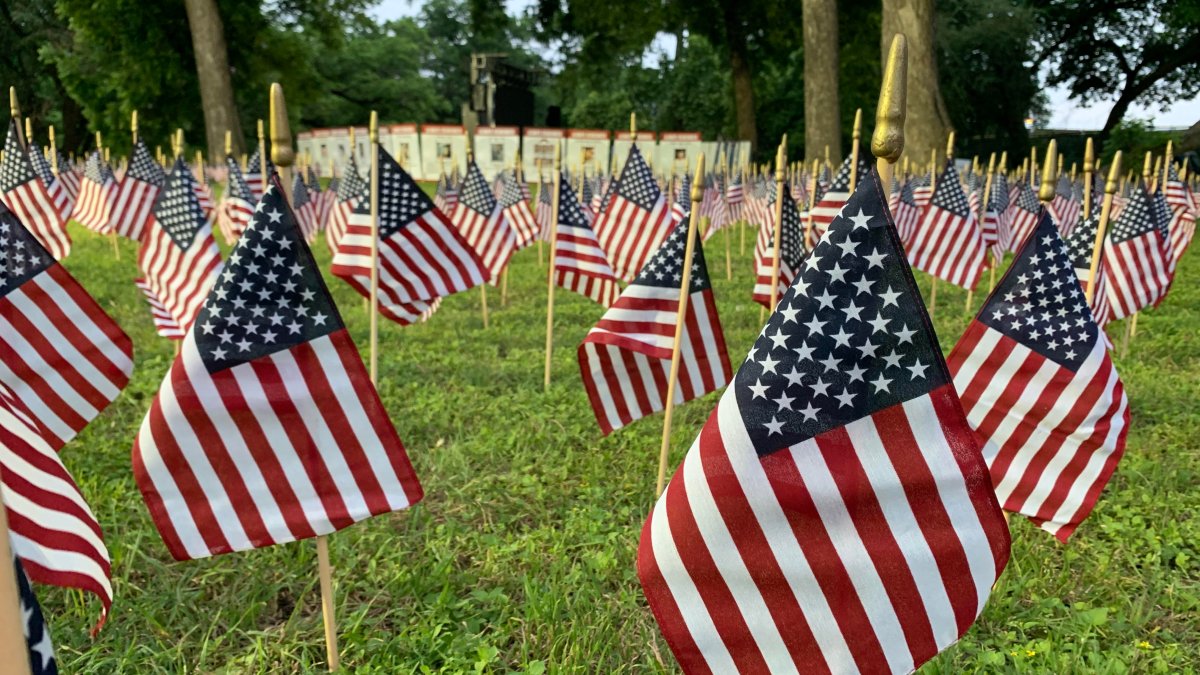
(743, 79)
(212, 68)
(927, 122)
(822, 118)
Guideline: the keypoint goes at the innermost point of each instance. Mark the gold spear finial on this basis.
(633, 126)
(99, 141)
(176, 143)
(1046, 193)
(1089, 154)
(228, 142)
(133, 126)
(887, 141)
(698, 181)
(1146, 168)
(372, 129)
(28, 129)
(282, 153)
(950, 146)
(557, 158)
(14, 106)
(1114, 175)
(857, 124)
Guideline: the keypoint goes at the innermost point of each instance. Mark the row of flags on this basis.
(842, 505)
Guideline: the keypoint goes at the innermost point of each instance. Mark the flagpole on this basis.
(887, 140)
(780, 159)
(14, 652)
(1110, 189)
(724, 183)
(1131, 323)
(541, 186)
(681, 318)
(854, 151)
(554, 206)
(933, 178)
(812, 204)
(483, 308)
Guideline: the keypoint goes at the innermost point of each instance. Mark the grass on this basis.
(521, 557)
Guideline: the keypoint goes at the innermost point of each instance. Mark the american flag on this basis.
(832, 200)
(305, 208)
(204, 193)
(636, 220)
(59, 191)
(60, 354)
(137, 193)
(422, 257)
(579, 263)
(446, 197)
(922, 190)
(625, 359)
(351, 190)
(791, 254)
(907, 214)
(179, 258)
(948, 243)
(543, 212)
(1138, 273)
(323, 199)
(735, 199)
(257, 175)
(599, 192)
(995, 226)
(25, 195)
(681, 206)
(267, 428)
(587, 193)
(1023, 214)
(37, 633)
(237, 203)
(515, 205)
(713, 205)
(763, 213)
(1034, 375)
(479, 218)
(1065, 207)
(50, 526)
(835, 513)
(98, 192)
(1080, 245)
(1184, 212)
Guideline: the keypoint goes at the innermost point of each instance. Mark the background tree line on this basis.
(747, 69)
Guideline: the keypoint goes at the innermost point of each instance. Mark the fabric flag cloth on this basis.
(179, 258)
(1065, 207)
(791, 254)
(237, 203)
(267, 428)
(579, 262)
(351, 189)
(37, 633)
(1080, 245)
(25, 195)
(948, 243)
(50, 526)
(735, 200)
(137, 193)
(907, 214)
(60, 191)
(636, 219)
(68, 177)
(833, 199)
(544, 211)
(514, 202)
(1184, 212)
(322, 199)
(97, 194)
(422, 257)
(60, 354)
(835, 513)
(1137, 270)
(681, 206)
(995, 226)
(481, 222)
(257, 175)
(304, 208)
(1035, 377)
(1023, 213)
(625, 359)
(446, 198)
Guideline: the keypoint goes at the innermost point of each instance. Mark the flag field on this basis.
(521, 556)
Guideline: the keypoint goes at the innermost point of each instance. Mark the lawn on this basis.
(521, 557)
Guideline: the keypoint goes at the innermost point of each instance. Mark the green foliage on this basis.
(1136, 138)
(521, 557)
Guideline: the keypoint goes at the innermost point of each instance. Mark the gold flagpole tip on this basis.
(14, 106)
(50, 133)
(282, 153)
(698, 181)
(99, 141)
(28, 130)
(887, 141)
(261, 134)
(557, 157)
(1114, 175)
(950, 146)
(1089, 154)
(228, 142)
(1146, 168)
(858, 124)
(1046, 193)
(780, 160)
(373, 127)
(633, 126)
(992, 163)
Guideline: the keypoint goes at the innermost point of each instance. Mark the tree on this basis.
(927, 121)
(822, 123)
(212, 69)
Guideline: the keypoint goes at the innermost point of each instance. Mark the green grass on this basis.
(521, 557)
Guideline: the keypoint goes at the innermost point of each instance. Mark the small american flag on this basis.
(1065, 207)
(907, 214)
(834, 514)
(179, 258)
(948, 243)
(137, 193)
(267, 428)
(579, 263)
(59, 191)
(1138, 273)
(1079, 246)
(681, 206)
(1023, 214)
(25, 195)
(479, 218)
(544, 211)
(50, 526)
(791, 254)
(735, 199)
(323, 199)
(1034, 375)
(515, 205)
(1184, 212)
(37, 632)
(763, 213)
(351, 189)
(636, 220)
(922, 190)
(97, 194)
(237, 202)
(422, 257)
(305, 208)
(446, 197)
(257, 175)
(60, 354)
(625, 359)
(832, 201)
(995, 226)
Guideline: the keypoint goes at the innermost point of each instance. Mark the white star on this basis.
(862, 286)
(905, 335)
(861, 221)
(768, 365)
(825, 299)
(784, 401)
(814, 326)
(889, 297)
(868, 348)
(856, 373)
(789, 313)
(837, 273)
(774, 426)
(275, 215)
(842, 338)
(892, 360)
(804, 352)
(853, 312)
(219, 354)
(319, 319)
(847, 246)
(244, 345)
(795, 377)
(878, 324)
(295, 327)
(830, 363)
(819, 387)
(875, 259)
(918, 369)
(43, 649)
(881, 383)
(759, 389)
(780, 339)
(845, 398)
(809, 412)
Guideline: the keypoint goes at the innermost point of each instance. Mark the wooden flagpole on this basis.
(554, 205)
(1046, 191)
(933, 178)
(1131, 323)
(112, 235)
(812, 205)
(373, 137)
(54, 168)
(983, 210)
(1089, 161)
(777, 251)
(283, 156)
(728, 244)
(541, 186)
(14, 653)
(14, 108)
(681, 317)
(854, 150)
(1110, 189)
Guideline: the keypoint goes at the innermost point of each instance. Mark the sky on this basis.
(1064, 113)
